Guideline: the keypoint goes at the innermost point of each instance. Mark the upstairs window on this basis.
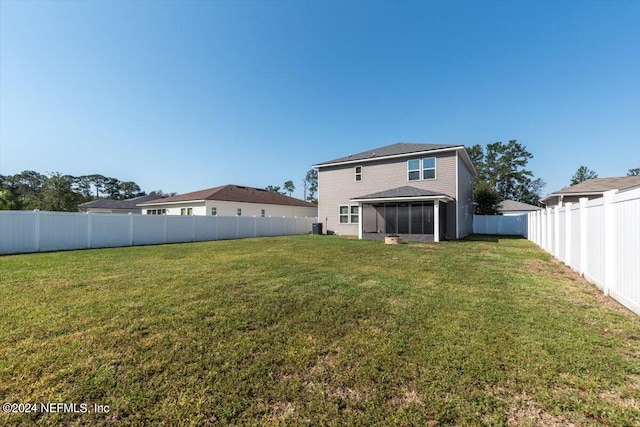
(418, 169)
(429, 168)
(358, 170)
(413, 169)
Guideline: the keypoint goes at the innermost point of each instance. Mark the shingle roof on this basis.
(406, 191)
(235, 193)
(118, 204)
(600, 185)
(512, 205)
(389, 150)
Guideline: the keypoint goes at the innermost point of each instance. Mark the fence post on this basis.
(610, 228)
(255, 226)
(36, 230)
(193, 228)
(567, 234)
(217, 227)
(584, 234)
(237, 227)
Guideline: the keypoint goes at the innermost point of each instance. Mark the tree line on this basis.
(30, 190)
(503, 175)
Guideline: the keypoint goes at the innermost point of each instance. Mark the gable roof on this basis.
(389, 150)
(512, 205)
(118, 204)
(597, 186)
(234, 193)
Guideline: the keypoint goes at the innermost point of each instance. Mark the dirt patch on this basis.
(281, 410)
(406, 397)
(525, 412)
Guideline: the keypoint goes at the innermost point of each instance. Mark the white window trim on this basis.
(356, 173)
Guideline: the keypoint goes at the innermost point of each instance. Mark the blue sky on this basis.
(182, 96)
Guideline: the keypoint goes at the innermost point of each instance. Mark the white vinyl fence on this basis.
(35, 231)
(509, 225)
(599, 238)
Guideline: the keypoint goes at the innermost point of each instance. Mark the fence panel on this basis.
(149, 229)
(594, 271)
(17, 232)
(108, 230)
(626, 286)
(603, 243)
(507, 225)
(65, 230)
(576, 237)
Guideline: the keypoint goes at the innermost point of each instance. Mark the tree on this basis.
(486, 197)
(583, 174)
(7, 201)
(634, 172)
(311, 180)
(129, 190)
(58, 195)
(289, 187)
(503, 167)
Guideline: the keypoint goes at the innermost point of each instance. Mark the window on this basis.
(214, 211)
(156, 211)
(349, 214)
(354, 214)
(418, 169)
(429, 168)
(263, 213)
(186, 211)
(358, 173)
(344, 214)
(239, 212)
(413, 169)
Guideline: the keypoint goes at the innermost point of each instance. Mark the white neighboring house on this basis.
(512, 208)
(231, 200)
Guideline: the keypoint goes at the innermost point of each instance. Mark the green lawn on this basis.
(315, 330)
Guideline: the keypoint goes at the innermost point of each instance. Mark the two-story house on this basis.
(418, 191)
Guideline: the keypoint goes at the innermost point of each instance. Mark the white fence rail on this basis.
(507, 225)
(599, 238)
(34, 231)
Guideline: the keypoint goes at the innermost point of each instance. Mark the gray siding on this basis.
(465, 199)
(337, 185)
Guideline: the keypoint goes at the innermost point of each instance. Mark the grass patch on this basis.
(315, 330)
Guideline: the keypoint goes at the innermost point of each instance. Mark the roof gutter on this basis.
(403, 199)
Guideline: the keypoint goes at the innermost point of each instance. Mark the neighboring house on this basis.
(511, 208)
(420, 191)
(231, 200)
(591, 189)
(116, 206)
